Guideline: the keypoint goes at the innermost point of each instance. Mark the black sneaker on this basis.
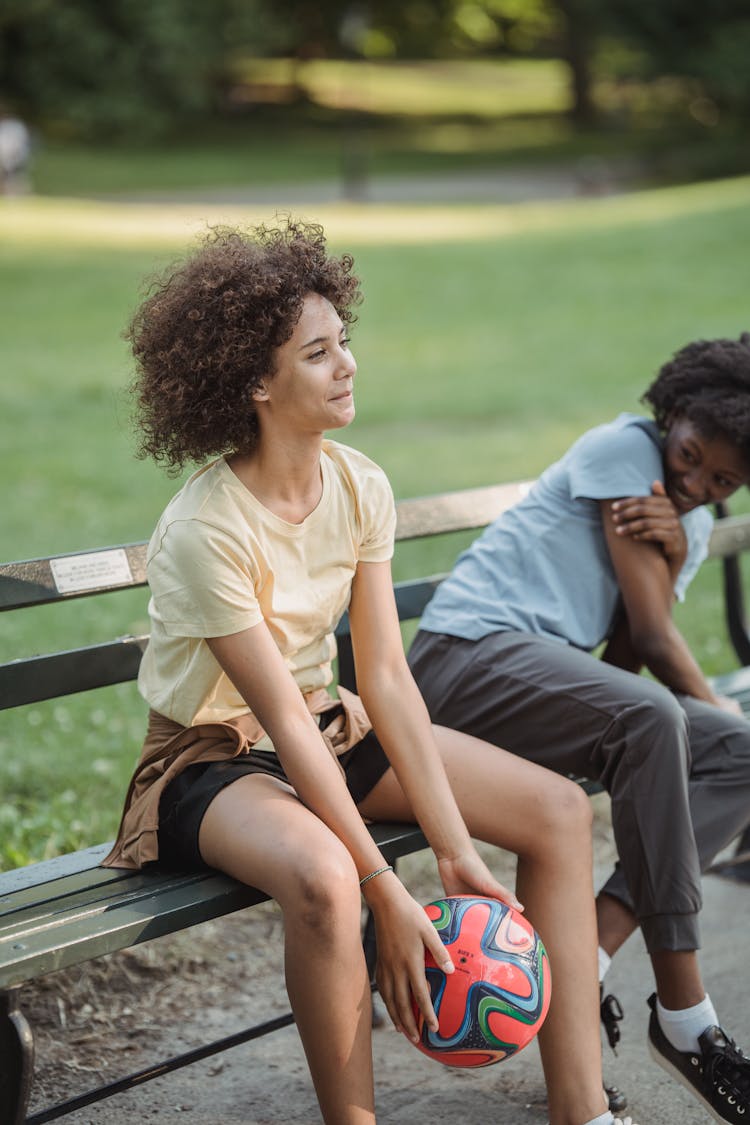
(616, 1098)
(718, 1074)
(611, 1013)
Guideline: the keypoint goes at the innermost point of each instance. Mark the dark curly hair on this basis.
(204, 337)
(707, 382)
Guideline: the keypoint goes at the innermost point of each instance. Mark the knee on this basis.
(664, 742)
(566, 816)
(649, 737)
(326, 893)
(660, 710)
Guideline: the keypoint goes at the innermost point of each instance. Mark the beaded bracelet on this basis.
(373, 874)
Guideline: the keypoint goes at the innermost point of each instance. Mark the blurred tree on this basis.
(579, 28)
(113, 67)
(565, 29)
(709, 43)
(120, 66)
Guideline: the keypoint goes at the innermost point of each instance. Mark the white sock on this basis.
(604, 962)
(602, 1119)
(683, 1027)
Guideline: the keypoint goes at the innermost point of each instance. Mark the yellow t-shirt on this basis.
(219, 562)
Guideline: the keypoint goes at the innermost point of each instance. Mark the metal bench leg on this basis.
(370, 947)
(371, 956)
(16, 1059)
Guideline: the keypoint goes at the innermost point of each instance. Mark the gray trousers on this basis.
(677, 769)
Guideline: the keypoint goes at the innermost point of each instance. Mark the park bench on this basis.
(65, 911)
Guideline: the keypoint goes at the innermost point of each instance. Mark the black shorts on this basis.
(184, 801)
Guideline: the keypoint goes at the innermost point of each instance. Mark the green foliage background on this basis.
(132, 69)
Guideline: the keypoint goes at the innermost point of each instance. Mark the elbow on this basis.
(652, 647)
(290, 730)
(384, 684)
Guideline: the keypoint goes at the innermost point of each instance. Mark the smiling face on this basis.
(311, 388)
(700, 470)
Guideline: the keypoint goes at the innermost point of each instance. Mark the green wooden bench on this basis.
(69, 910)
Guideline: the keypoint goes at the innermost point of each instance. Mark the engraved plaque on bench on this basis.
(75, 573)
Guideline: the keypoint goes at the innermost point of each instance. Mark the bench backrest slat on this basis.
(76, 575)
(37, 678)
(465, 510)
(729, 536)
(84, 573)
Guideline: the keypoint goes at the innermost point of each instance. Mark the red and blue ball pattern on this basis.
(497, 999)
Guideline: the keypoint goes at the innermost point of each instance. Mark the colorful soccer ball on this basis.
(498, 997)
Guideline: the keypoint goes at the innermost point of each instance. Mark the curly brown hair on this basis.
(205, 335)
(707, 382)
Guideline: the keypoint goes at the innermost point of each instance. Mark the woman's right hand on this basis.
(730, 705)
(403, 932)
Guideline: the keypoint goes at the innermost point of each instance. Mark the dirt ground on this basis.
(121, 1014)
(104, 1019)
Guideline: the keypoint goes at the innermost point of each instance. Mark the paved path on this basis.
(266, 1083)
(586, 176)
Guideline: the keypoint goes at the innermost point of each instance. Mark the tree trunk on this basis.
(578, 40)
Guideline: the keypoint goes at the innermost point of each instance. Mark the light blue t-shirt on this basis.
(543, 566)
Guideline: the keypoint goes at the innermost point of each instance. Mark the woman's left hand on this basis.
(468, 874)
(654, 519)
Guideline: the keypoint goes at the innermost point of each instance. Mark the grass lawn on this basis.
(490, 337)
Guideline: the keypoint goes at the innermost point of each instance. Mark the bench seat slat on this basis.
(80, 906)
(86, 890)
(61, 944)
(23, 878)
(45, 927)
(97, 880)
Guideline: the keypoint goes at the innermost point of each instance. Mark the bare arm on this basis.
(646, 584)
(619, 649)
(653, 519)
(403, 726)
(256, 668)
(401, 722)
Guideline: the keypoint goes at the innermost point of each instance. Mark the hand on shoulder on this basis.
(652, 519)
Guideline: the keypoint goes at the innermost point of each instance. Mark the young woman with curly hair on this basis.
(596, 554)
(250, 765)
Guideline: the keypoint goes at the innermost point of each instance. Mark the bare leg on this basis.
(678, 978)
(676, 972)
(546, 821)
(257, 831)
(615, 922)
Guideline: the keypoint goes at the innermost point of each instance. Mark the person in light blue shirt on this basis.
(565, 588)
(509, 651)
